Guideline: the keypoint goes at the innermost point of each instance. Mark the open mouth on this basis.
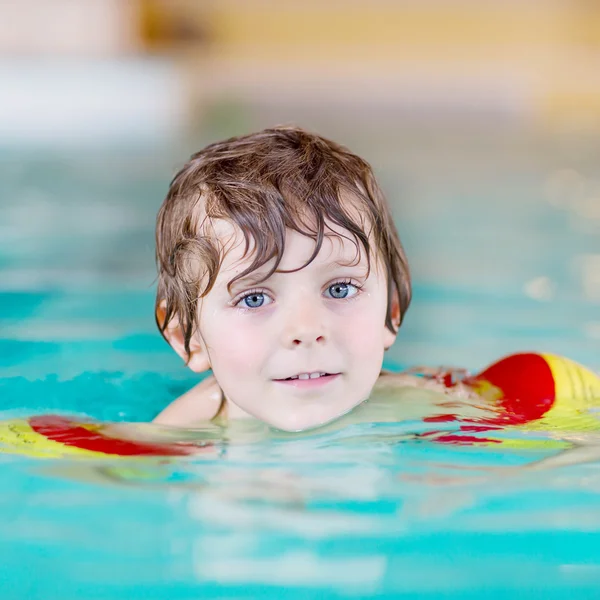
(307, 376)
(310, 380)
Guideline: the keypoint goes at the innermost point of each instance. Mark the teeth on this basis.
(307, 376)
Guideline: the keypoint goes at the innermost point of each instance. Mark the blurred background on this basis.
(481, 119)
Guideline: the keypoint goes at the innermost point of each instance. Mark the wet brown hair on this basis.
(265, 183)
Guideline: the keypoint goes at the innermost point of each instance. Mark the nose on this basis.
(304, 326)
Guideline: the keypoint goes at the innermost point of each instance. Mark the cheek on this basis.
(234, 344)
(363, 338)
(361, 329)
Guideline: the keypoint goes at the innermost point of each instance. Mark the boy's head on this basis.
(278, 262)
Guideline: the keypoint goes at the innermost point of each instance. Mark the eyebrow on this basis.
(254, 277)
(260, 274)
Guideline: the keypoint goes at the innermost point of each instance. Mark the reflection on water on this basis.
(369, 509)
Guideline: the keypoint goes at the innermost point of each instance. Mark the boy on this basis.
(280, 269)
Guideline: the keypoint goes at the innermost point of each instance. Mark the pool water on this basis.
(503, 235)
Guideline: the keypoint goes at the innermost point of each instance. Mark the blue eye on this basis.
(341, 290)
(254, 300)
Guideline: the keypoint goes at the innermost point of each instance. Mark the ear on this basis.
(198, 360)
(388, 337)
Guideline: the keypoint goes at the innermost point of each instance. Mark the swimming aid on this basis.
(55, 436)
(528, 392)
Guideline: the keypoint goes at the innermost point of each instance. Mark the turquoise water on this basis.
(504, 239)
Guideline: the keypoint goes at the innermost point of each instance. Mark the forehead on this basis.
(339, 247)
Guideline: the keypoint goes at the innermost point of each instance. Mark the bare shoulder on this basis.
(201, 403)
(447, 380)
(389, 379)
